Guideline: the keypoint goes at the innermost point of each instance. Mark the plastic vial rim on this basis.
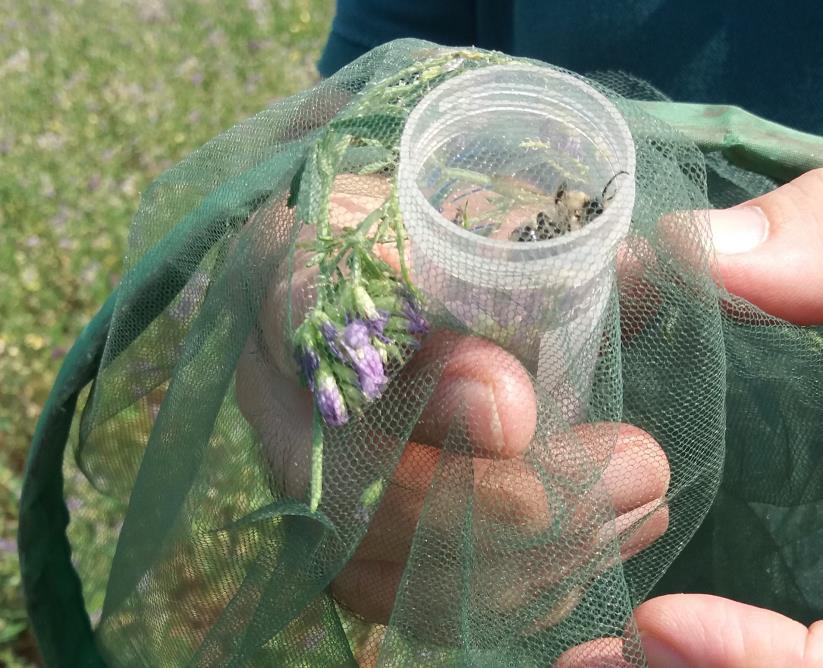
(611, 123)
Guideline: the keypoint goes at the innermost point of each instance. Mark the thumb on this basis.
(681, 630)
(770, 249)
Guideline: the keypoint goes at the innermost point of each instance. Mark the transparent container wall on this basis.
(481, 156)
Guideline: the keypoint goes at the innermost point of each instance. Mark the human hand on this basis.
(481, 381)
(770, 252)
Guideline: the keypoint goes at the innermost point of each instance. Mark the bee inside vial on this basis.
(572, 210)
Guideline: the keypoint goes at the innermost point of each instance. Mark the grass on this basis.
(99, 97)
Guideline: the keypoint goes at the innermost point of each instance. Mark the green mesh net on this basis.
(428, 366)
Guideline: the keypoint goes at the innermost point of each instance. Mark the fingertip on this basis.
(642, 527)
(600, 653)
(635, 468)
(636, 450)
(368, 588)
(714, 631)
(783, 273)
(813, 652)
(483, 389)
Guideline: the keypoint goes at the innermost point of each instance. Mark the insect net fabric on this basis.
(199, 436)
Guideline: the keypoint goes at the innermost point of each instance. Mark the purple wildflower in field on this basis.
(8, 545)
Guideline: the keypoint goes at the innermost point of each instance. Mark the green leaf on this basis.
(294, 187)
(10, 630)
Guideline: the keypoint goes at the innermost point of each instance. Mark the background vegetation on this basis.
(97, 97)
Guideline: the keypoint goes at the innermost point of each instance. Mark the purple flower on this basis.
(365, 359)
(356, 334)
(370, 372)
(417, 323)
(377, 325)
(329, 399)
(308, 361)
(330, 334)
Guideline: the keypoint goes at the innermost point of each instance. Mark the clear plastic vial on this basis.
(484, 154)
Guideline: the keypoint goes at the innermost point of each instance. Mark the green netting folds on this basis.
(428, 366)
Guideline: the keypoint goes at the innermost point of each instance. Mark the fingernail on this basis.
(659, 654)
(484, 419)
(738, 230)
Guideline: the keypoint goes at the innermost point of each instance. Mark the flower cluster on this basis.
(343, 353)
(366, 313)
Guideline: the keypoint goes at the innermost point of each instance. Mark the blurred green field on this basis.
(98, 97)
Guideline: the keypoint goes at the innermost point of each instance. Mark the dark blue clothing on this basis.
(766, 57)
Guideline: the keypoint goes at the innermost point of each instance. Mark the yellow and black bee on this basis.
(573, 209)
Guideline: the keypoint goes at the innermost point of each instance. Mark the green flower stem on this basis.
(316, 485)
(400, 234)
(355, 238)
